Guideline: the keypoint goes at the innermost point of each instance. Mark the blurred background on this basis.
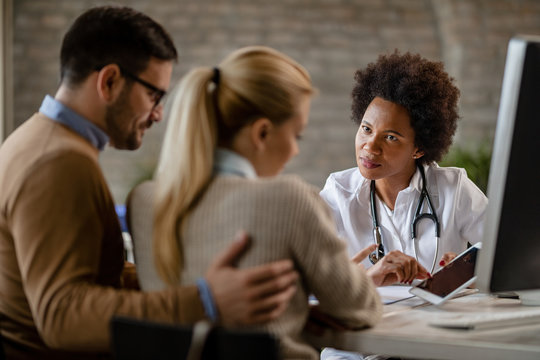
(331, 38)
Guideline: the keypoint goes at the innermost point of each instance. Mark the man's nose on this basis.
(157, 113)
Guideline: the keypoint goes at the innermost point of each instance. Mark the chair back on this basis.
(139, 339)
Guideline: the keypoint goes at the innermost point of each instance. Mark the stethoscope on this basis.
(424, 195)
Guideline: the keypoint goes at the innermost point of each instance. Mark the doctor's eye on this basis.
(365, 129)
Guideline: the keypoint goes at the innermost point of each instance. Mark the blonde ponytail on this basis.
(184, 169)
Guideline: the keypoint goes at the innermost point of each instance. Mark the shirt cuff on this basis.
(207, 299)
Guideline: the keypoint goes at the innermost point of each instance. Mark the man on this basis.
(61, 251)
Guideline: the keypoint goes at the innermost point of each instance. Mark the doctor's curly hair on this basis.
(422, 87)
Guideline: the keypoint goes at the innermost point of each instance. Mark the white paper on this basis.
(394, 293)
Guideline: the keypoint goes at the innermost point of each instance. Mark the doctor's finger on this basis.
(402, 271)
(405, 264)
(446, 258)
(422, 272)
(396, 269)
(362, 254)
(410, 270)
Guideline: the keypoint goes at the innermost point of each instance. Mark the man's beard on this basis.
(117, 119)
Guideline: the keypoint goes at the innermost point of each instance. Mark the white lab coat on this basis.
(459, 204)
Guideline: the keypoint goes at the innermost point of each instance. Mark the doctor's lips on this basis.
(368, 164)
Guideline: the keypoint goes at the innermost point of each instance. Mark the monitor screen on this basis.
(510, 255)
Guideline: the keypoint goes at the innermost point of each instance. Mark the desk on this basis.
(404, 332)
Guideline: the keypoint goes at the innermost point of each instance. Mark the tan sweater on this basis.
(288, 220)
(61, 251)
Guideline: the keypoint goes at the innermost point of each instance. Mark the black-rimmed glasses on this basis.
(157, 93)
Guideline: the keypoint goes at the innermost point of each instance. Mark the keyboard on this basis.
(488, 320)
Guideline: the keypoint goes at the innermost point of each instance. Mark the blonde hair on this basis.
(251, 83)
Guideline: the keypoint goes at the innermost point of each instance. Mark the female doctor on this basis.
(418, 214)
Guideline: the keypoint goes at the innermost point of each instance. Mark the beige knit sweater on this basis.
(287, 220)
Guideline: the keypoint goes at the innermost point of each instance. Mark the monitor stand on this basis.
(529, 297)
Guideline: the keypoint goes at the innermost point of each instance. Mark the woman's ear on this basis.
(418, 154)
(259, 133)
(110, 83)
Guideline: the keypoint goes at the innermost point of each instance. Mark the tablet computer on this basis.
(449, 280)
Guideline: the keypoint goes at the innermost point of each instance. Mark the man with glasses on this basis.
(61, 250)
(156, 94)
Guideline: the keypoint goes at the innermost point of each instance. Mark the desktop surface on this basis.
(405, 332)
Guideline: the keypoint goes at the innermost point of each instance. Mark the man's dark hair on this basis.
(112, 35)
(419, 85)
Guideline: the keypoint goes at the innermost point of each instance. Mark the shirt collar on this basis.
(58, 112)
(228, 162)
(414, 185)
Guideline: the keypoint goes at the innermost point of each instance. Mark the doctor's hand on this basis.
(446, 258)
(396, 267)
(364, 253)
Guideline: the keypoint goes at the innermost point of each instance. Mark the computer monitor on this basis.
(510, 257)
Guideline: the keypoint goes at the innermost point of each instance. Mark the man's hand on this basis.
(250, 296)
(394, 267)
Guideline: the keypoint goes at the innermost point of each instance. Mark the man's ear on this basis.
(110, 83)
(259, 133)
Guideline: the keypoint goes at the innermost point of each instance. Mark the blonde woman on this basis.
(231, 130)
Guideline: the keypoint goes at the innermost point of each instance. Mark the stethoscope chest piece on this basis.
(377, 254)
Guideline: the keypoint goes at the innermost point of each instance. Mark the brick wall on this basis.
(331, 38)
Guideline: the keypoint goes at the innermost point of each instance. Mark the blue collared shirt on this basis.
(57, 111)
(227, 162)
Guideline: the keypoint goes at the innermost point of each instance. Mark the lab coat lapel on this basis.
(392, 239)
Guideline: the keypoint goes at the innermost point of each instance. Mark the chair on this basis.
(140, 339)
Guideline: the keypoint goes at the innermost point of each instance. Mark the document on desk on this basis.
(394, 293)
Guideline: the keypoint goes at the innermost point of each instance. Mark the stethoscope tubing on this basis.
(424, 195)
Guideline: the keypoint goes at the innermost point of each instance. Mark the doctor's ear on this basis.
(260, 130)
(418, 154)
(110, 83)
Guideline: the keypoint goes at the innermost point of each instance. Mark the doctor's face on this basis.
(385, 142)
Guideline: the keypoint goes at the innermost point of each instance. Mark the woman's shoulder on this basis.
(284, 192)
(451, 177)
(290, 185)
(142, 195)
(289, 188)
(275, 185)
(449, 174)
(348, 180)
